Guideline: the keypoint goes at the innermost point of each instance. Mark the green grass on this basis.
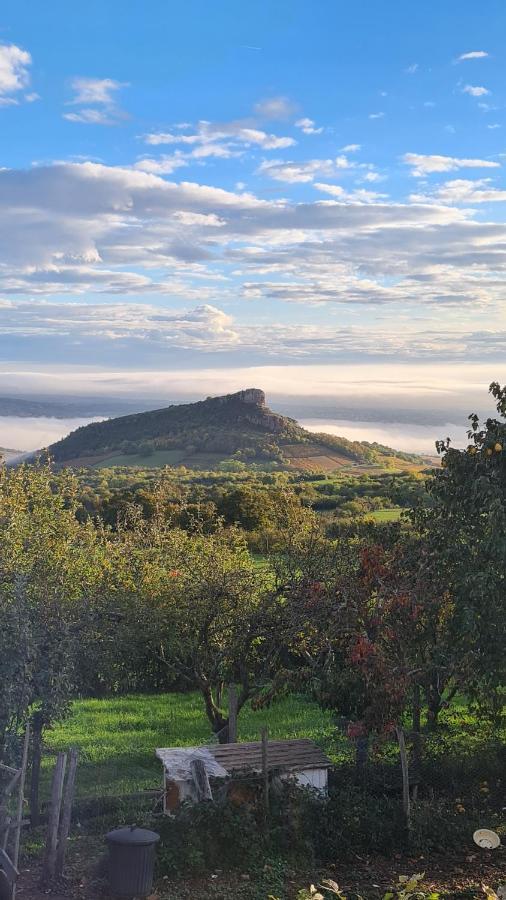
(385, 515)
(117, 737)
(148, 460)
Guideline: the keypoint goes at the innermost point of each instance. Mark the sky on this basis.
(307, 196)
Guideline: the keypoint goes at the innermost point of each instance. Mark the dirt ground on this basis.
(455, 876)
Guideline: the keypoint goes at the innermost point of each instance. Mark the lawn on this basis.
(117, 737)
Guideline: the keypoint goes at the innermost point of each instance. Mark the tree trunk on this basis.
(405, 781)
(219, 694)
(219, 722)
(416, 766)
(433, 705)
(232, 713)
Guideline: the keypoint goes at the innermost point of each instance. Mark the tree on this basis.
(48, 562)
(463, 530)
(187, 603)
(395, 619)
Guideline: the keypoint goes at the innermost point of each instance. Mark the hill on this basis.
(6, 453)
(200, 435)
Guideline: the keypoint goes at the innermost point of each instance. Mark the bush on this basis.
(207, 836)
(305, 829)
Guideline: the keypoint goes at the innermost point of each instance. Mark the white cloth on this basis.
(177, 760)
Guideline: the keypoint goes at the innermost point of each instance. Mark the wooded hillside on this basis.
(235, 424)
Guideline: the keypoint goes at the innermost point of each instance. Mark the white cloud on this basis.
(305, 171)
(277, 108)
(462, 191)
(422, 164)
(475, 90)
(473, 54)
(204, 327)
(412, 69)
(164, 165)
(307, 126)
(14, 74)
(378, 115)
(97, 99)
(221, 139)
(372, 176)
(351, 148)
(147, 332)
(88, 229)
(100, 91)
(356, 196)
(92, 117)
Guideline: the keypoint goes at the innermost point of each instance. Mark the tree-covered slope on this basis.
(235, 423)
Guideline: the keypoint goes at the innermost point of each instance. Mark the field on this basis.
(117, 738)
(385, 515)
(156, 459)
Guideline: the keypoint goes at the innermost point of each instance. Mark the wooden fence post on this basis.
(66, 817)
(21, 800)
(405, 779)
(54, 817)
(5, 819)
(35, 770)
(232, 714)
(265, 769)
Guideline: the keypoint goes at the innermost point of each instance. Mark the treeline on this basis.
(247, 498)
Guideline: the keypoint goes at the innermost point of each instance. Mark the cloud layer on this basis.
(88, 228)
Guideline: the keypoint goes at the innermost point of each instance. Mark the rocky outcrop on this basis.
(250, 395)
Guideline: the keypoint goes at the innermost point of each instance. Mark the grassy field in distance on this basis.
(146, 461)
(385, 515)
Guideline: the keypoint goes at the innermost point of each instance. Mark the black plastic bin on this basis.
(131, 860)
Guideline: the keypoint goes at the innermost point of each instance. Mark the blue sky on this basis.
(283, 192)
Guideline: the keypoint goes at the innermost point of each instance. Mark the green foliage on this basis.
(463, 529)
(305, 830)
(48, 563)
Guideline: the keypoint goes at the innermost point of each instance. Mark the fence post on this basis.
(66, 817)
(265, 769)
(35, 772)
(21, 800)
(54, 817)
(405, 778)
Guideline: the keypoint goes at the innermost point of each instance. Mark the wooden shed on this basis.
(300, 759)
